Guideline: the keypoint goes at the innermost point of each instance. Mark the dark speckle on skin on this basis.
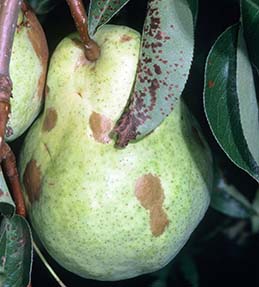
(155, 85)
(9, 131)
(125, 38)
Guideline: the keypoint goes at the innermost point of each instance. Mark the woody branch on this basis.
(9, 10)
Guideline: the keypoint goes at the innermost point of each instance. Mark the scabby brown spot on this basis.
(125, 38)
(150, 194)
(50, 120)
(32, 180)
(101, 126)
(38, 40)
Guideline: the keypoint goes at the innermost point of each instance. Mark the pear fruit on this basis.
(28, 67)
(106, 213)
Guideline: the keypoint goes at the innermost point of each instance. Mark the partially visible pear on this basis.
(101, 212)
(28, 72)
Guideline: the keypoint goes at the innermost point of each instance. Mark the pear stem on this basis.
(92, 50)
(9, 10)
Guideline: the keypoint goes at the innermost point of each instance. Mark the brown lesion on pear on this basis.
(38, 41)
(150, 193)
(101, 127)
(125, 38)
(32, 180)
(50, 120)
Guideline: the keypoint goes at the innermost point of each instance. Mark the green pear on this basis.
(27, 70)
(101, 212)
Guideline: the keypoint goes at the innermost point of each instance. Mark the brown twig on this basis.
(9, 10)
(92, 50)
(10, 170)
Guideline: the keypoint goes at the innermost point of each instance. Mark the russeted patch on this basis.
(125, 38)
(149, 192)
(50, 120)
(101, 126)
(38, 40)
(32, 180)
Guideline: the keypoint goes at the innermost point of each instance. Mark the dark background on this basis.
(224, 250)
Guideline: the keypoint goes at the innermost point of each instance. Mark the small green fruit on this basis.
(101, 212)
(28, 71)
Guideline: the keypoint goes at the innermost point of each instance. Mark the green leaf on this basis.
(15, 252)
(7, 206)
(246, 94)
(189, 270)
(43, 6)
(255, 218)
(250, 20)
(227, 200)
(164, 65)
(101, 11)
(162, 276)
(194, 6)
(228, 103)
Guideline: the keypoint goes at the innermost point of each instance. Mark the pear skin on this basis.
(28, 68)
(106, 213)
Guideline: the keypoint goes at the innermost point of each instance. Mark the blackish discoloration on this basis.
(101, 126)
(32, 180)
(8, 131)
(150, 194)
(50, 120)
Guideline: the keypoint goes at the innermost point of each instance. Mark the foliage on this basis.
(230, 96)
(15, 243)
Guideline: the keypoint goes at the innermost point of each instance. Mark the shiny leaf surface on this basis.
(15, 252)
(227, 104)
(101, 11)
(165, 61)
